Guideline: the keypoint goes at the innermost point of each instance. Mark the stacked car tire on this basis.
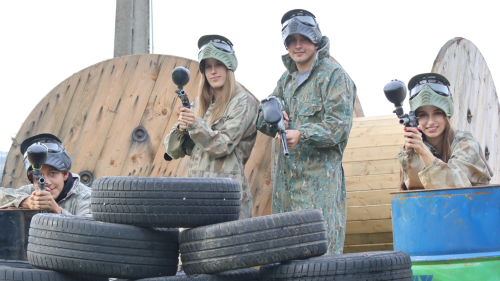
(127, 238)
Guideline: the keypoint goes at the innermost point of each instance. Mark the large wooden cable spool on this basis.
(95, 111)
(474, 94)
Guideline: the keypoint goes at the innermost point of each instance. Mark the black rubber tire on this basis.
(81, 245)
(247, 274)
(252, 242)
(166, 202)
(383, 265)
(14, 270)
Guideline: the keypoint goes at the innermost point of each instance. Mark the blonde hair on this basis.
(206, 94)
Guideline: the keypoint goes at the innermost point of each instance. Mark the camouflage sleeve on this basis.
(10, 197)
(466, 167)
(411, 165)
(174, 143)
(218, 143)
(261, 123)
(338, 104)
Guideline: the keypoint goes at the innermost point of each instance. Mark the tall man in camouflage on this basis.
(320, 97)
(64, 193)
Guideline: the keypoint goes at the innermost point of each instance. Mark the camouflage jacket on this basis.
(321, 109)
(76, 202)
(223, 148)
(466, 167)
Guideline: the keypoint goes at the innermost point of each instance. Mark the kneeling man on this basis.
(64, 193)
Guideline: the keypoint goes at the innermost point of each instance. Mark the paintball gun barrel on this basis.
(395, 92)
(272, 110)
(181, 77)
(37, 156)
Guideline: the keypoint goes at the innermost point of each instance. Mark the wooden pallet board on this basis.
(371, 153)
(370, 238)
(371, 212)
(368, 226)
(371, 197)
(368, 248)
(373, 182)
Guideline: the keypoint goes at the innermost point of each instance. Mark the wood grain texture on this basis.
(368, 248)
(371, 197)
(371, 212)
(473, 89)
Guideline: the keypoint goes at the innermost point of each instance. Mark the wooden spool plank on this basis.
(65, 99)
(374, 212)
(473, 89)
(128, 116)
(372, 197)
(103, 111)
(371, 153)
(75, 118)
(373, 182)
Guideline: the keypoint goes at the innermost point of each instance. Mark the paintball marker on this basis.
(395, 92)
(181, 77)
(37, 156)
(272, 110)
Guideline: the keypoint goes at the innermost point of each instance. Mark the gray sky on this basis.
(45, 42)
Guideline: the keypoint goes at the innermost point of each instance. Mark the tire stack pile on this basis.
(127, 238)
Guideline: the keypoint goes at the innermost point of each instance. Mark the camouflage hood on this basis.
(322, 53)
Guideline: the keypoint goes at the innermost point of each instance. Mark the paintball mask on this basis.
(431, 89)
(300, 22)
(219, 48)
(57, 156)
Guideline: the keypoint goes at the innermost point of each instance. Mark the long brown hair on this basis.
(448, 136)
(445, 149)
(205, 97)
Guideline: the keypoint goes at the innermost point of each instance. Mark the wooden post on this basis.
(131, 27)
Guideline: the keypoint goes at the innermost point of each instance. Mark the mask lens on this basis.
(307, 20)
(440, 89)
(222, 47)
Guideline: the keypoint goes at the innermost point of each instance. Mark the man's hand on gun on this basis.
(292, 136)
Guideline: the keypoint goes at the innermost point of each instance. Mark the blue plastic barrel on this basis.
(430, 224)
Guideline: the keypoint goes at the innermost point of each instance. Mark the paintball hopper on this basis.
(181, 77)
(273, 115)
(395, 92)
(37, 155)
